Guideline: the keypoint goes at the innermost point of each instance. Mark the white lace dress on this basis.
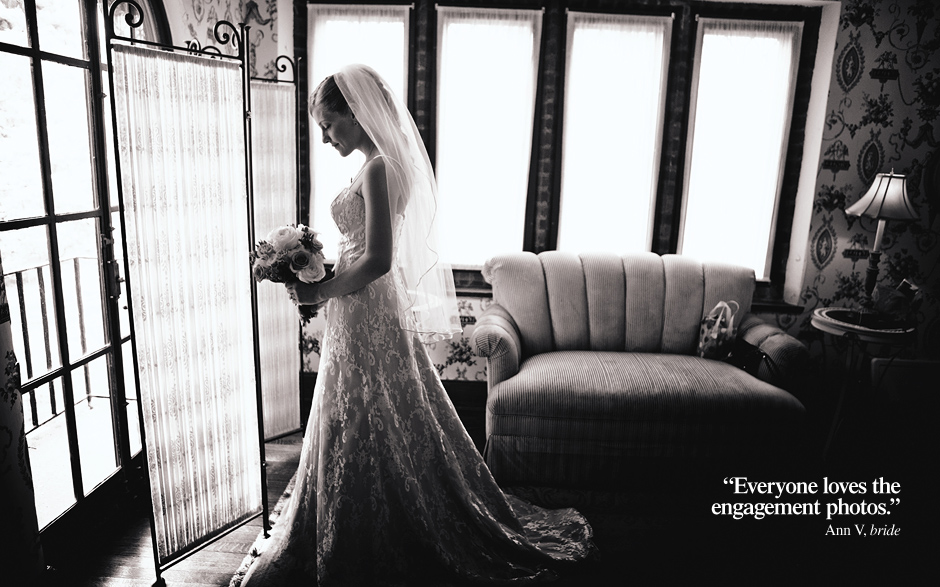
(390, 489)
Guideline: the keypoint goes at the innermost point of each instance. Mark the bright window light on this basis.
(486, 103)
(613, 115)
(338, 36)
(742, 103)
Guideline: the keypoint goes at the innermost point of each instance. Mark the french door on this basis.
(61, 253)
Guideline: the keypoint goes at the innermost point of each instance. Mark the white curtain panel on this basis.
(743, 91)
(614, 94)
(182, 156)
(488, 66)
(274, 173)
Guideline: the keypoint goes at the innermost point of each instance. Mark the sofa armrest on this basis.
(788, 364)
(496, 338)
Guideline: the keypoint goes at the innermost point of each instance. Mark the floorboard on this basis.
(127, 559)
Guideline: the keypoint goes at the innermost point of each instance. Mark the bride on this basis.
(390, 489)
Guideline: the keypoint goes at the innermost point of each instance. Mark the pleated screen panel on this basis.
(274, 172)
(182, 156)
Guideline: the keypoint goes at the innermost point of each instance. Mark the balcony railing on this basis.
(31, 298)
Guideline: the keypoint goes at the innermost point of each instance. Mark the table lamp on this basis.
(885, 200)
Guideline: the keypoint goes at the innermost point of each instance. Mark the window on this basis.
(487, 64)
(58, 244)
(742, 98)
(377, 36)
(615, 84)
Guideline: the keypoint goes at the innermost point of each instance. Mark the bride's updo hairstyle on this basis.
(329, 97)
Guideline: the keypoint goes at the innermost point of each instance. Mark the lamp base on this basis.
(871, 274)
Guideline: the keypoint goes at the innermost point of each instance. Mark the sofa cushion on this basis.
(595, 410)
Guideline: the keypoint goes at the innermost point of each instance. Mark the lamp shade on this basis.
(886, 199)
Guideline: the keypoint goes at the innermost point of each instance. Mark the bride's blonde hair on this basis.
(328, 96)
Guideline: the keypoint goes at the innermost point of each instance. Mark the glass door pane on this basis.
(81, 286)
(21, 184)
(32, 300)
(94, 422)
(69, 144)
(60, 27)
(13, 30)
(49, 454)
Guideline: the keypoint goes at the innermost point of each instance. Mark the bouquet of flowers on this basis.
(289, 254)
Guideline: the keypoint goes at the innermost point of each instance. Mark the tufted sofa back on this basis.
(640, 302)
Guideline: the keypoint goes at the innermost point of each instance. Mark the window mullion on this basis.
(541, 219)
(668, 204)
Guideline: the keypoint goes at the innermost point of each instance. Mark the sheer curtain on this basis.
(376, 36)
(741, 104)
(181, 152)
(614, 94)
(487, 67)
(274, 172)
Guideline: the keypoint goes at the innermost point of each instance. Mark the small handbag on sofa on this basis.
(717, 333)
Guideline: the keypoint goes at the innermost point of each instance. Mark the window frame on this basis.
(787, 126)
(658, 141)
(769, 293)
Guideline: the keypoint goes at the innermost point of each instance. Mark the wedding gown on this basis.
(390, 489)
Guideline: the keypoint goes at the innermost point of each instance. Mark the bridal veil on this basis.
(431, 306)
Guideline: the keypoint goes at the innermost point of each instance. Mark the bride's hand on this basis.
(306, 294)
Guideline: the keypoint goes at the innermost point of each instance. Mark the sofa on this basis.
(594, 377)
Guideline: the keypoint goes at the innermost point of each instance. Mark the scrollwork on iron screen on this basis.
(225, 32)
(282, 67)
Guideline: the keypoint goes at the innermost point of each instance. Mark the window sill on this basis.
(469, 283)
(768, 299)
(774, 307)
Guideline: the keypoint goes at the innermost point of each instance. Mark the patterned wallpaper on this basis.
(884, 102)
(196, 19)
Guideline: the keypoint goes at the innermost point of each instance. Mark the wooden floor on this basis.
(125, 557)
(127, 561)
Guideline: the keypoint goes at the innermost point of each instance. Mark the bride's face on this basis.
(339, 130)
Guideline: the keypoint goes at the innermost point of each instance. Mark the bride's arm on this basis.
(376, 261)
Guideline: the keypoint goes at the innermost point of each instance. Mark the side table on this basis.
(860, 328)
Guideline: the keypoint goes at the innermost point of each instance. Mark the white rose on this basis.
(284, 238)
(312, 273)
